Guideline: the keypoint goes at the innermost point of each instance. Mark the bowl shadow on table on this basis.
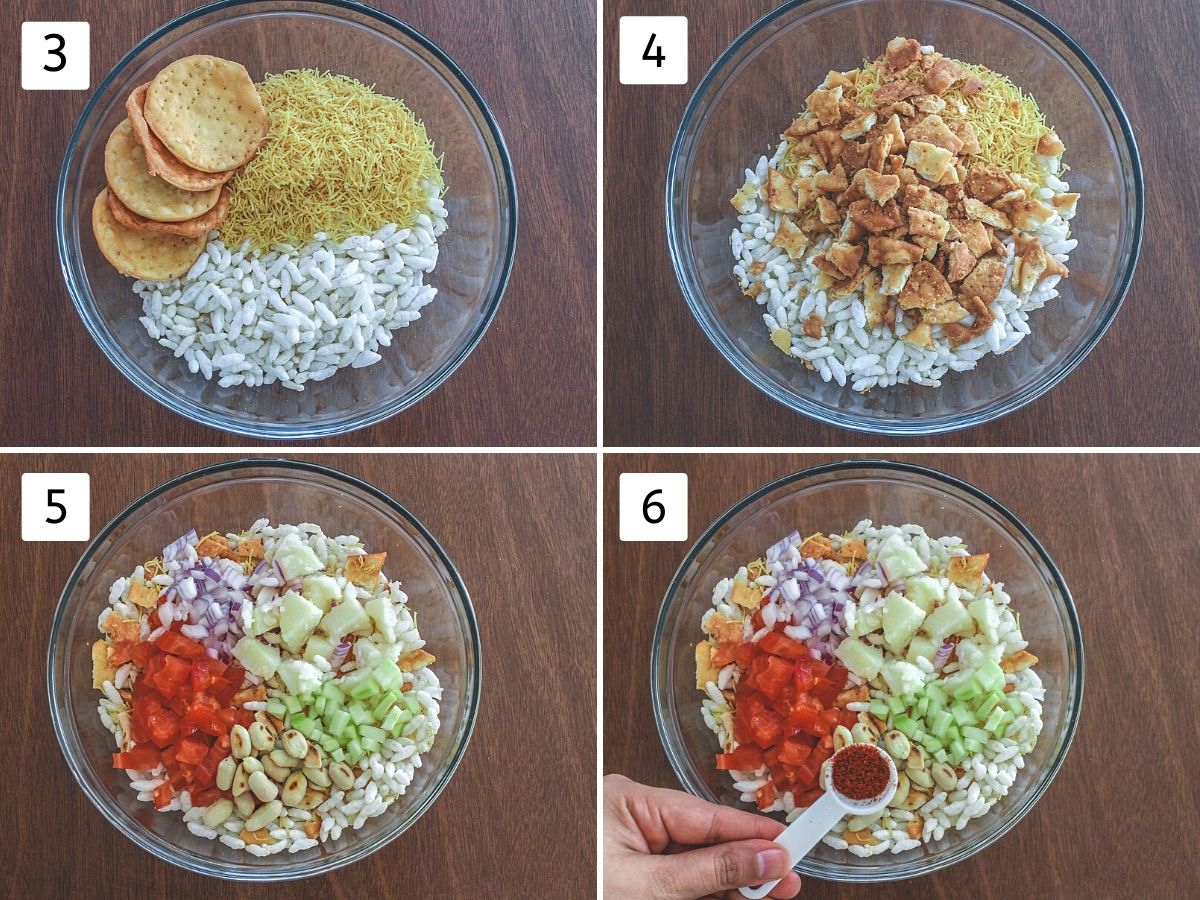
(792, 55)
(836, 503)
(340, 509)
(470, 270)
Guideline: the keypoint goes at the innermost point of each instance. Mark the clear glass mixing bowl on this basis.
(833, 498)
(475, 253)
(755, 89)
(228, 497)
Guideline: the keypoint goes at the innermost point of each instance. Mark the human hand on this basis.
(668, 845)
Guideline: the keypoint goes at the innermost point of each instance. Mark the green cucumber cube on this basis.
(364, 689)
(372, 732)
(292, 703)
(905, 726)
(990, 676)
(359, 714)
(971, 745)
(386, 702)
(277, 708)
(303, 724)
(389, 676)
(970, 731)
(338, 721)
(370, 745)
(880, 709)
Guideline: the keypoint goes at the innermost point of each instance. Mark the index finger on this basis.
(690, 820)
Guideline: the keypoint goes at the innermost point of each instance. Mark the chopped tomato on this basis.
(723, 655)
(173, 674)
(746, 758)
(162, 795)
(766, 795)
(781, 645)
(176, 644)
(784, 714)
(141, 757)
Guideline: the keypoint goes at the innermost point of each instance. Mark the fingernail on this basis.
(771, 861)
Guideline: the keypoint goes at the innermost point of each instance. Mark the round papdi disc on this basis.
(159, 160)
(149, 255)
(207, 112)
(197, 227)
(145, 194)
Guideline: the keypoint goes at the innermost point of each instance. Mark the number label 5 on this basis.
(55, 56)
(56, 506)
(654, 506)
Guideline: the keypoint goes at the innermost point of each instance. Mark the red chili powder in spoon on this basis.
(860, 772)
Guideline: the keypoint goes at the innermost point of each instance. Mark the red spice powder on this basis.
(860, 772)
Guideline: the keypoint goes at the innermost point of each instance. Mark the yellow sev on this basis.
(339, 159)
(1006, 120)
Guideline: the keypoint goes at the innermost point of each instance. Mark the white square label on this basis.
(56, 506)
(654, 506)
(654, 49)
(56, 56)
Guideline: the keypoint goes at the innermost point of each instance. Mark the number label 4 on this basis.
(653, 49)
(654, 506)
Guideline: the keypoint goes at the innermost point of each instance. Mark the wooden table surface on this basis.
(522, 802)
(666, 385)
(530, 382)
(1118, 819)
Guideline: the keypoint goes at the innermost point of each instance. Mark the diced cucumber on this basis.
(921, 648)
(338, 721)
(364, 689)
(354, 749)
(344, 618)
(412, 704)
(1014, 704)
(949, 618)
(389, 676)
(901, 619)
(934, 692)
(968, 690)
(277, 708)
(879, 708)
(990, 676)
(931, 744)
(971, 745)
(970, 731)
(372, 732)
(257, 657)
(957, 752)
(391, 720)
(895, 704)
(963, 714)
(318, 707)
(303, 724)
(297, 619)
(919, 734)
(940, 755)
(862, 659)
(386, 702)
(329, 743)
(370, 745)
(317, 645)
(985, 707)
(905, 726)
(359, 714)
(922, 706)
(338, 755)
(939, 722)
(292, 703)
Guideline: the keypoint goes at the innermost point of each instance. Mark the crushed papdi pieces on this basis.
(364, 570)
(102, 670)
(747, 595)
(967, 571)
(706, 671)
(120, 629)
(725, 629)
(143, 594)
(417, 659)
(1018, 662)
(213, 546)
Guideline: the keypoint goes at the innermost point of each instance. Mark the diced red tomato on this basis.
(781, 645)
(176, 644)
(141, 757)
(784, 714)
(162, 795)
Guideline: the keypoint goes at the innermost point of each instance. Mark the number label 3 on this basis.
(56, 506)
(55, 56)
(654, 506)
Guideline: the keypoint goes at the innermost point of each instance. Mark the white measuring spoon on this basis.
(814, 823)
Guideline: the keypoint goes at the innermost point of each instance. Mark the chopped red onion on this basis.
(943, 654)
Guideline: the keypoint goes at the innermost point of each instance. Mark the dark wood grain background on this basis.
(666, 385)
(1118, 819)
(530, 382)
(519, 812)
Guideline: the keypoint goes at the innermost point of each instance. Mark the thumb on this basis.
(698, 873)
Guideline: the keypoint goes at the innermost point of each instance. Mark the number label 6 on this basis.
(653, 506)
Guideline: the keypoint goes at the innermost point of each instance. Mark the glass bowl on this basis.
(225, 497)
(751, 94)
(832, 498)
(476, 251)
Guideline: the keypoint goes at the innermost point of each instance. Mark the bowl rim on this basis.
(235, 871)
(924, 475)
(295, 430)
(837, 417)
